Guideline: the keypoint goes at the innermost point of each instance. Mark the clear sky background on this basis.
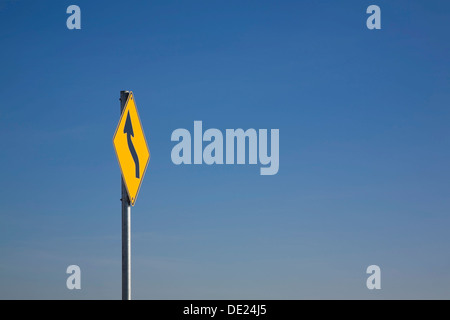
(364, 149)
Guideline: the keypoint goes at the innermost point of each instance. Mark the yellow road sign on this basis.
(131, 148)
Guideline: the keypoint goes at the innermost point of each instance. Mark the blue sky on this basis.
(364, 150)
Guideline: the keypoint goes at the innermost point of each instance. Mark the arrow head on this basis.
(128, 127)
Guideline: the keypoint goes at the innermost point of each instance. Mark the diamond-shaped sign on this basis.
(131, 148)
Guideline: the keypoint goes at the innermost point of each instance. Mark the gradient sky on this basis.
(364, 149)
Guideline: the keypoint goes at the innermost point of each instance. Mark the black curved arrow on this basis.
(128, 129)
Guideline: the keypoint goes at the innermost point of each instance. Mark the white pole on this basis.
(126, 227)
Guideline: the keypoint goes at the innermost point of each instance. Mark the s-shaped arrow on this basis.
(128, 129)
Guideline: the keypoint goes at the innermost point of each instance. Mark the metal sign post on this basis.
(126, 227)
